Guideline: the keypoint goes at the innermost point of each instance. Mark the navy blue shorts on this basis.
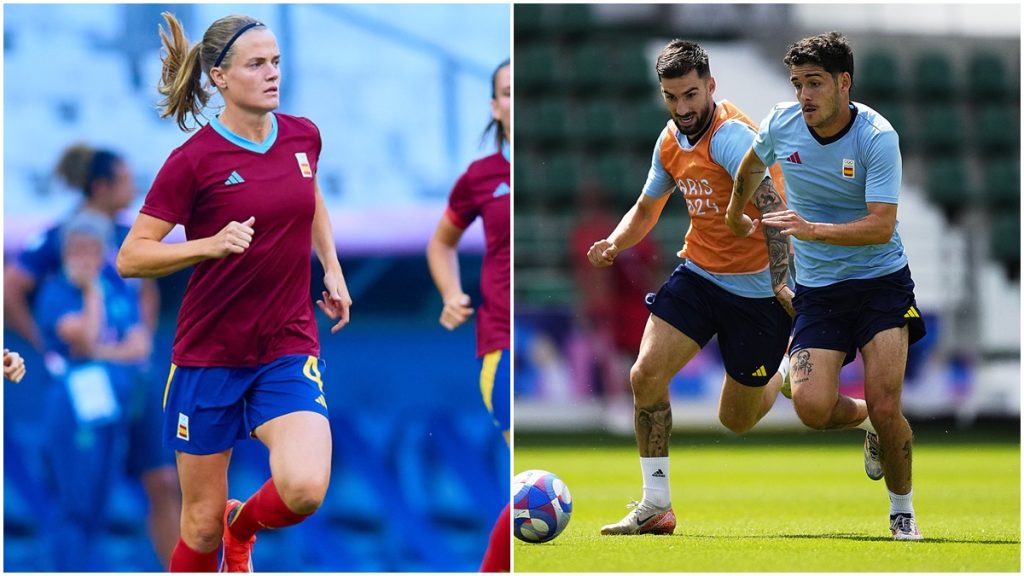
(752, 332)
(206, 410)
(846, 315)
(494, 387)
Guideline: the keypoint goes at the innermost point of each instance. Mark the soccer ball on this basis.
(542, 505)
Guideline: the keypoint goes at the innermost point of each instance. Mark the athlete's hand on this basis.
(336, 300)
(785, 297)
(602, 253)
(233, 238)
(741, 225)
(790, 223)
(456, 311)
(14, 366)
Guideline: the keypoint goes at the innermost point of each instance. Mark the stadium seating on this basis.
(878, 78)
(996, 131)
(1005, 239)
(948, 185)
(942, 128)
(934, 78)
(1002, 185)
(987, 79)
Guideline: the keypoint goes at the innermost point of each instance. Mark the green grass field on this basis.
(794, 503)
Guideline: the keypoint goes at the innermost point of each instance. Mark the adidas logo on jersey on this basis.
(760, 371)
(235, 178)
(794, 158)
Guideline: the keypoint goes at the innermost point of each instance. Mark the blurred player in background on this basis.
(735, 287)
(14, 366)
(105, 181)
(483, 191)
(843, 170)
(245, 359)
(96, 345)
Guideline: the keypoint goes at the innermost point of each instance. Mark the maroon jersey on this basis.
(483, 190)
(250, 308)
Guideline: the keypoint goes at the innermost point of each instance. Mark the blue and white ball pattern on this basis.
(542, 506)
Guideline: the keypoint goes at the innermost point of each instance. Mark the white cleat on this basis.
(904, 527)
(644, 518)
(872, 457)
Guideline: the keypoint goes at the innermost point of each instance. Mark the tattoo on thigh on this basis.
(653, 428)
(803, 363)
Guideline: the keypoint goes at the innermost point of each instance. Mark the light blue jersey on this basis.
(728, 145)
(831, 180)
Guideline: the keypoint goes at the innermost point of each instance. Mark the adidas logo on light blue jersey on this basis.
(501, 190)
(235, 178)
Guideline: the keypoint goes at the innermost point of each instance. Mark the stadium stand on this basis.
(416, 480)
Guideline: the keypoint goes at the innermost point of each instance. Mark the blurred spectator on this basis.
(96, 344)
(105, 181)
(611, 313)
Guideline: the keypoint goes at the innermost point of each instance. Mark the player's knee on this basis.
(885, 412)
(813, 414)
(647, 382)
(736, 423)
(303, 495)
(202, 526)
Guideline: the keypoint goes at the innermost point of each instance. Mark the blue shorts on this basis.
(494, 387)
(752, 332)
(846, 315)
(206, 410)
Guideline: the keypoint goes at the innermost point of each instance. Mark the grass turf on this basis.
(779, 504)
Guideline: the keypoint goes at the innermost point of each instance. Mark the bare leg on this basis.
(204, 492)
(885, 360)
(663, 352)
(741, 407)
(814, 374)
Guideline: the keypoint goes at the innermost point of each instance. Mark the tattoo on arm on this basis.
(767, 199)
(653, 428)
(737, 186)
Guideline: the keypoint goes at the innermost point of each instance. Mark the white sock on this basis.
(656, 486)
(784, 367)
(866, 425)
(901, 503)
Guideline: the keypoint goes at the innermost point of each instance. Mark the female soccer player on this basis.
(245, 359)
(483, 190)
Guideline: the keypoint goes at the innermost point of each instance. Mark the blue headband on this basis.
(227, 46)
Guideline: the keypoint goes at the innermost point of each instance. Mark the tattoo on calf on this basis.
(653, 428)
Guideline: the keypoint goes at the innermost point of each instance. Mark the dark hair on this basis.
(679, 57)
(81, 166)
(831, 51)
(181, 78)
(499, 128)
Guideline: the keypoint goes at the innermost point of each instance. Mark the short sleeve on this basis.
(764, 146)
(884, 168)
(730, 144)
(659, 181)
(462, 207)
(174, 190)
